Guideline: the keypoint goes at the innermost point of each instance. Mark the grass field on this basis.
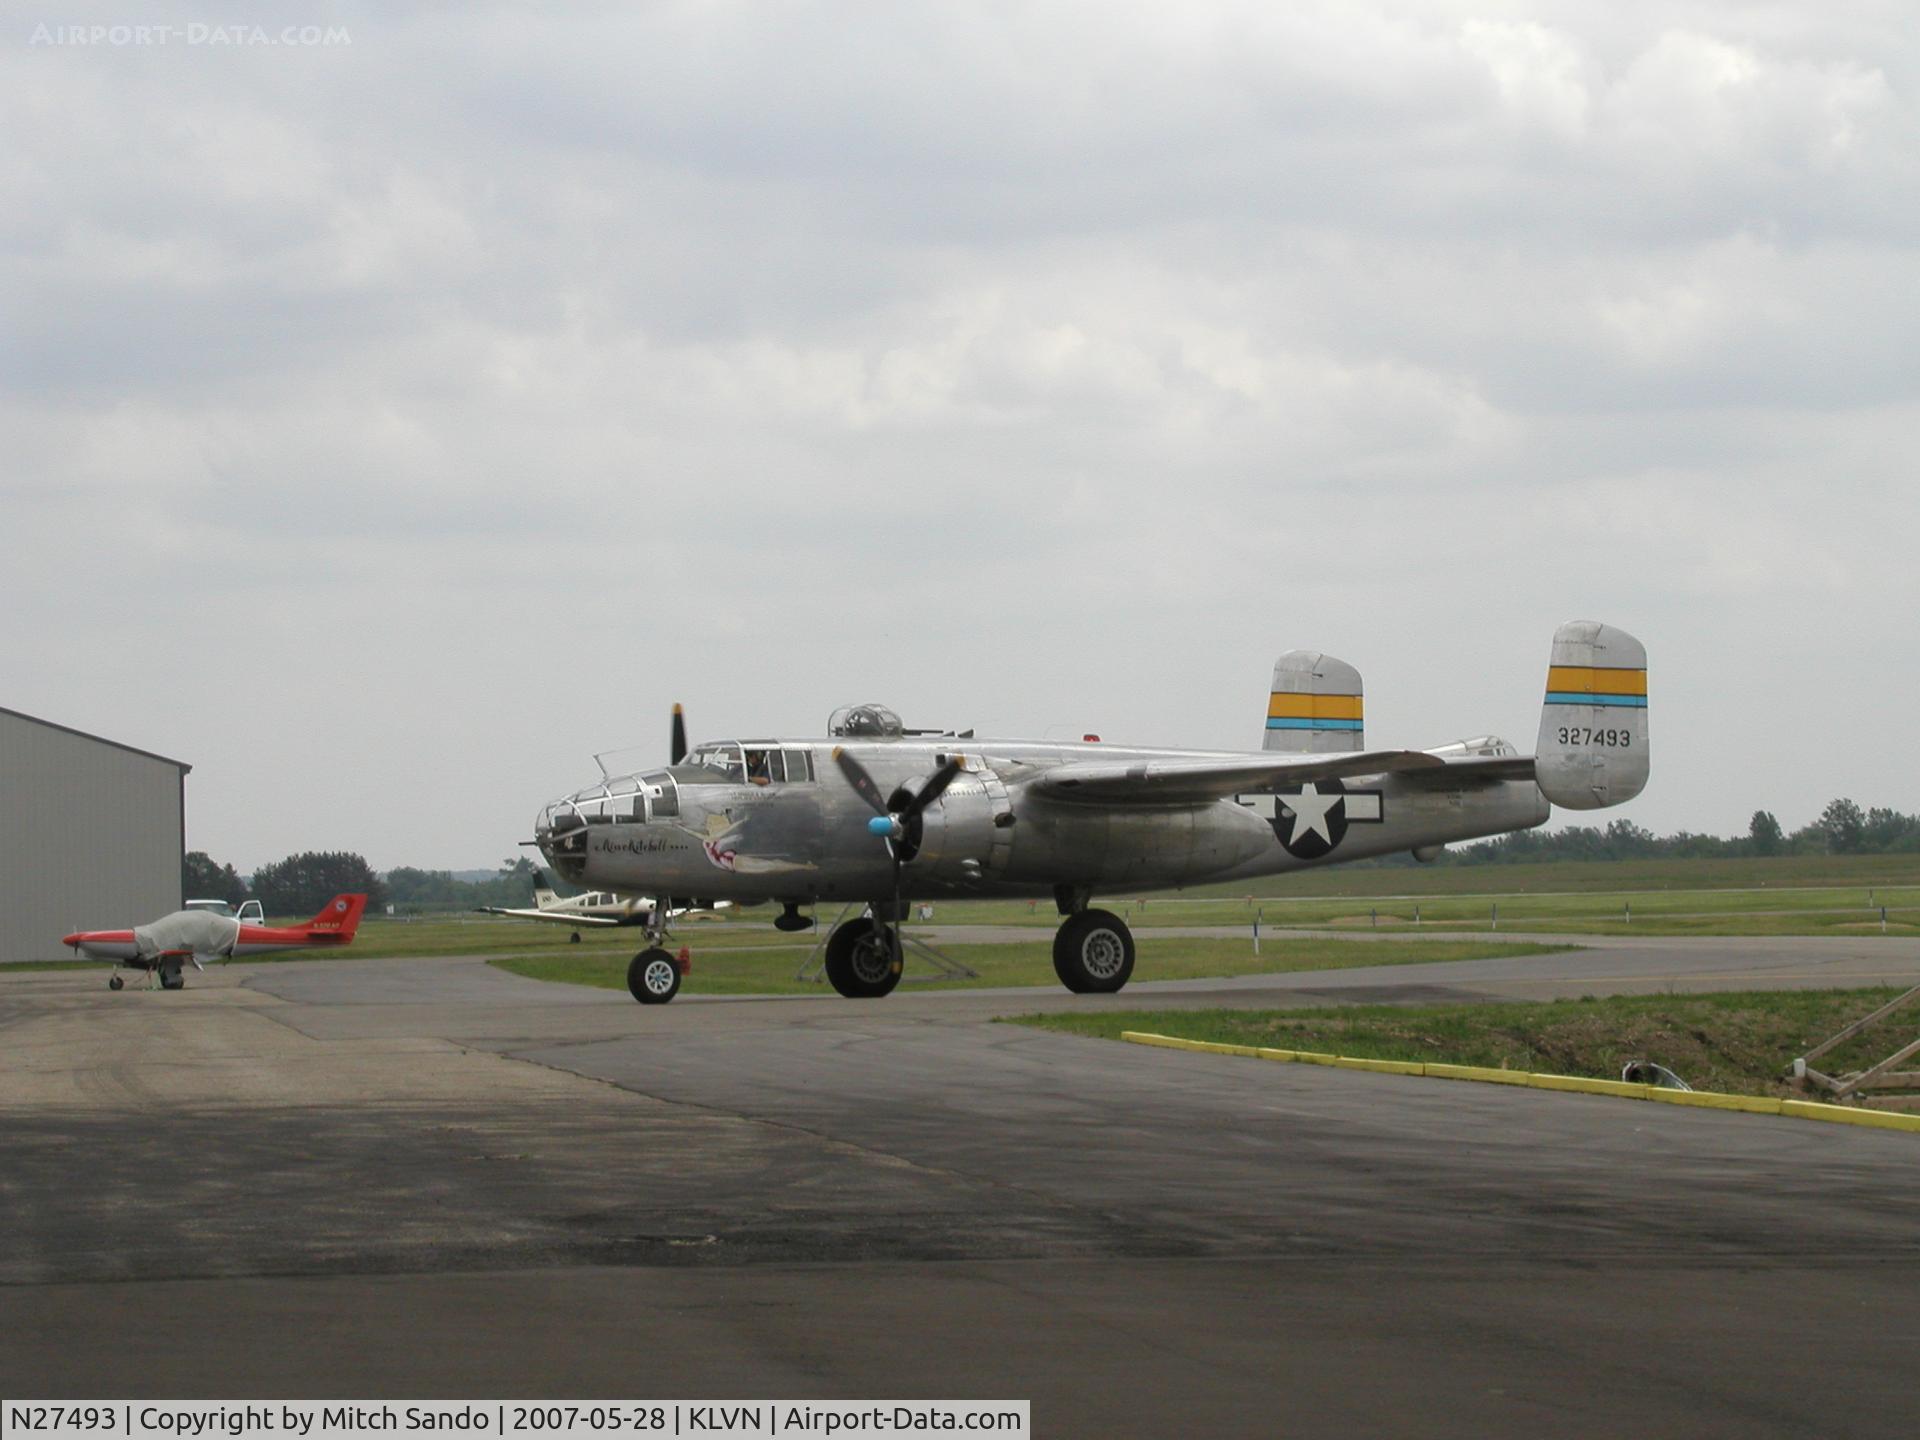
(1737, 1043)
(1807, 911)
(756, 972)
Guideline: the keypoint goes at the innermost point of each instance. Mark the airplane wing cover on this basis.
(1171, 782)
(197, 931)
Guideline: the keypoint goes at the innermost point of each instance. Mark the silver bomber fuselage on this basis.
(704, 832)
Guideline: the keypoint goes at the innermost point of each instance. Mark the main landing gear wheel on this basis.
(116, 983)
(653, 976)
(860, 963)
(1093, 953)
(574, 938)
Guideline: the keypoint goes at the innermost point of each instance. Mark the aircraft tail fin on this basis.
(543, 892)
(1593, 729)
(1316, 706)
(339, 919)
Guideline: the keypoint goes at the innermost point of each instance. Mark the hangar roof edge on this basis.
(183, 766)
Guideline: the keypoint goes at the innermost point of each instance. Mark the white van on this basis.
(249, 913)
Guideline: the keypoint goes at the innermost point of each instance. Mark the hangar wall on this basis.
(91, 835)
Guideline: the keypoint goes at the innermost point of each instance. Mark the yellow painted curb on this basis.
(1582, 1085)
(1381, 1067)
(1709, 1100)
(1848, 1115)
(1579, 1084)
(1483, 1073)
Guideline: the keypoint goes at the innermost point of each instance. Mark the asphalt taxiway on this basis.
(434, 1178)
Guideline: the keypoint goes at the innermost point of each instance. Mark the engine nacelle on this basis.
(966, 834)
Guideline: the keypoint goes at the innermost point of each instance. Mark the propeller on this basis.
(677, 751)
(896, 819)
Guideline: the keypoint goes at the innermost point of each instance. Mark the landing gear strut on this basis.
(860, 959)
(1093, 952)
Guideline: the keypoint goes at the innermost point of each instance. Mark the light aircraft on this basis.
(169, 943)
(595, 908)
(884, 815)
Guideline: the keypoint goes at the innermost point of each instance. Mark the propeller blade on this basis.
(933, 789)
(678, 749)
(863, 783)
(893, 930)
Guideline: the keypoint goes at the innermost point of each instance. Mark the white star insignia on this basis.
(1309, 810)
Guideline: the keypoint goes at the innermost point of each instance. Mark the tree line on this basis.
(300, 884)
(1843, 828)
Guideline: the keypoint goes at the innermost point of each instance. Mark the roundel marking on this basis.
(1312, 821)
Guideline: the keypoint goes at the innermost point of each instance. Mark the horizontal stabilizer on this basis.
(1593, 726)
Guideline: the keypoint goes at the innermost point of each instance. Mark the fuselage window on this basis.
(799, 764)
(757, 771)
(667, 801)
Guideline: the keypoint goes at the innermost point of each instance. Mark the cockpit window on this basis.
(725, 760)
(662, 793)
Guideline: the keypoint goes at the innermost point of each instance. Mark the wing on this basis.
(555, 917)
(1173, 782)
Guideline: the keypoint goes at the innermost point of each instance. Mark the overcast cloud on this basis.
(391, 424)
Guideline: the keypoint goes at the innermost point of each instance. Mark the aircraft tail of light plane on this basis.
(167, 945)
(882, 815)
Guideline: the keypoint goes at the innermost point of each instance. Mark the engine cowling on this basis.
(965, 834)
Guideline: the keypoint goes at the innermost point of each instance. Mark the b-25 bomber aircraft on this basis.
(884, 815)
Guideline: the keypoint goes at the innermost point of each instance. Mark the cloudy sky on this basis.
(394, 418)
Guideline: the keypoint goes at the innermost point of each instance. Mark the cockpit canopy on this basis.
(865, 722)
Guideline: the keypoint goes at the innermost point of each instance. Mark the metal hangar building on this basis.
(92, 835)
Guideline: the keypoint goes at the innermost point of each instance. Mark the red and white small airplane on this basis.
(170, 942)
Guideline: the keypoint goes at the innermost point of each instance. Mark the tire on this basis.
(653, 976)
(860, 963)
(575, 937)
(1093, 953)
(114, 982)
(172, 980)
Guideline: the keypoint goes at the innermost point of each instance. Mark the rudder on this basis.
(340, 918)
(1316, 705)
(1593, 728)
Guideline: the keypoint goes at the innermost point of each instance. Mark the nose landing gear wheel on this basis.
(1093, 953)
(860, 962)
(116, 983)
(653, 977)
(172, 980)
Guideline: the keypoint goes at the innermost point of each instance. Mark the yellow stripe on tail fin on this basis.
(1316, 706)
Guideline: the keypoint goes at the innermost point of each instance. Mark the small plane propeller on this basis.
(677, 750)
(896, 818)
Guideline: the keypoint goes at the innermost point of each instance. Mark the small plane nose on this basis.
(74, 939)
